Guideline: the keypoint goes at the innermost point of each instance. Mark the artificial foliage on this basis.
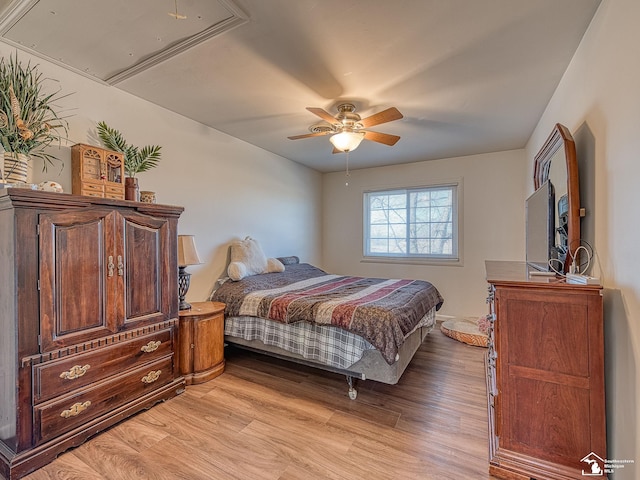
(29, 122)
(136, 160)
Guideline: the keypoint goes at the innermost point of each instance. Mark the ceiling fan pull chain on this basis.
(347, 174)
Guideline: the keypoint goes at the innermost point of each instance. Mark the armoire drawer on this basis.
(58, 377)
(61, 415)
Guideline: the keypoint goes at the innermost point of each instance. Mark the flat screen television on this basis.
(540, 212)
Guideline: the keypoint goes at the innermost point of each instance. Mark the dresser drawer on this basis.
(61, 415)
(92, 187)
(114, 191)
(93, 193)
(58, 377)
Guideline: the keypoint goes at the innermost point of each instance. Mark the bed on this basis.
(364, 328)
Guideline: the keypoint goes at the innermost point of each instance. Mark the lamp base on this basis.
(184, 279)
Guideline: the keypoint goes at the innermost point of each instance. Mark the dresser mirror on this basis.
(556, 161)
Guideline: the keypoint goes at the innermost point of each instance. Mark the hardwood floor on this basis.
(269, 419)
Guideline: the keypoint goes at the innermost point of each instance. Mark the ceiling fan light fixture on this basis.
(346, 141)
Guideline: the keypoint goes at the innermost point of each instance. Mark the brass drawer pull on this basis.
(76, 409)
(151, 346)
(75, 372)
(152, 376)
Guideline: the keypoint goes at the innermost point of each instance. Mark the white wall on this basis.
(229, 188)
(599, 100)
(493, 222)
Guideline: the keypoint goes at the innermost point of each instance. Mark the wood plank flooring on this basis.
(273, 420)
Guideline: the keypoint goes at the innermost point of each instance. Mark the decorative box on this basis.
(97, 172)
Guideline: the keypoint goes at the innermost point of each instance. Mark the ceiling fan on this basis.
(347, 129)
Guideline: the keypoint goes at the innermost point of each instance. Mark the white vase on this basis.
(17, 168)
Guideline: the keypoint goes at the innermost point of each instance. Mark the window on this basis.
(412, 223)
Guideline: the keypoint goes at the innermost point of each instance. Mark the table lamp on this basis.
(187, 255)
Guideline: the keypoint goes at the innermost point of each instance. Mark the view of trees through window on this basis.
(413, 222)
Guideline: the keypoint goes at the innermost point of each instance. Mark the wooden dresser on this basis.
(545, 375)
(89, 319)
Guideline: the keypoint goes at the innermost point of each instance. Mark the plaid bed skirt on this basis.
(324, 344)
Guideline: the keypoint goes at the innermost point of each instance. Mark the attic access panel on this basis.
(116, 39)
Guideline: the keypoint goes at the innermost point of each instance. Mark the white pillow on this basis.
(247, 258)
(236, 271)
(274, 265)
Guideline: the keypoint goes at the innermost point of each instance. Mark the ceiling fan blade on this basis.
(388, 115)
(335, 150)
(323, 114)
(309, 135)
(382, 138)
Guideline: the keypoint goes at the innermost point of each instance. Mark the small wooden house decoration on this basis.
(97, 172)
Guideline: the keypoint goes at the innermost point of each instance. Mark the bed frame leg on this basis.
(353, 393)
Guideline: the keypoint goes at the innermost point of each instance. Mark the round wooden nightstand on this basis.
(201, 342)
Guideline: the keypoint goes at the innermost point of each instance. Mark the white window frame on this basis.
(454, 259)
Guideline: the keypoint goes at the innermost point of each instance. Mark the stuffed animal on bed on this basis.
(247, 258)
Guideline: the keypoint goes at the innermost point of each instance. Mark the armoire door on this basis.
(145, 263)
(79, 283)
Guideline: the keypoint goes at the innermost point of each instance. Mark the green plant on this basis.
(28, 122)
(136, 160)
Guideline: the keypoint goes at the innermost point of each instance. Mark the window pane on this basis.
(398, 216)
(440, 198)
(440, 214)
(379, 231)
(379, 245)
(379, 217)
(420, 199)
(441, 247)
(440, 230)
(397, 201)
(398, 246)
(421, 214)
(420, 230)
(420, 246)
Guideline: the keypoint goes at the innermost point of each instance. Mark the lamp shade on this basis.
(187, 253)
(346, 141)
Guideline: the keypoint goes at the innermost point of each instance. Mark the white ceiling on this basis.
(469, 76)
